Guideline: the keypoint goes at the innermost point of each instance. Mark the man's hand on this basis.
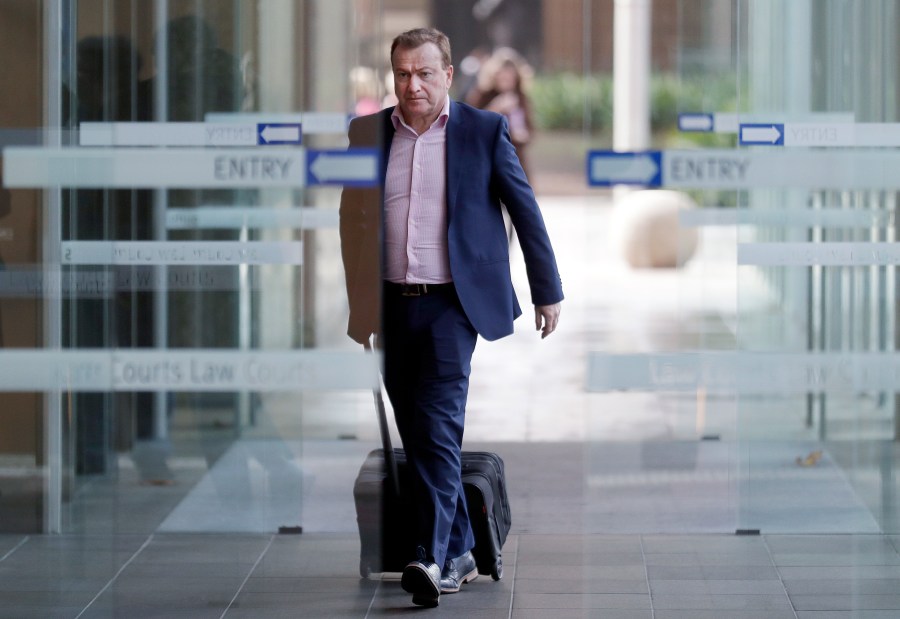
(546, 317)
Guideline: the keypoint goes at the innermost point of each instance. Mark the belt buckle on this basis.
(413, 290)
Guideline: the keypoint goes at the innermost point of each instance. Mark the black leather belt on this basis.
(415, 290)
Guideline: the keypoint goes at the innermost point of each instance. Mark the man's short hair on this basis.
(411, 39)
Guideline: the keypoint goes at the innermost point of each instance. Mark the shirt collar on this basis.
(440, 121)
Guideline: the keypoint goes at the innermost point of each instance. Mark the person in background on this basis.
(364, 83)
(501, 87)
(469, 68)
(389, 99)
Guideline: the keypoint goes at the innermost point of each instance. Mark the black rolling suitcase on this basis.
(385, 516)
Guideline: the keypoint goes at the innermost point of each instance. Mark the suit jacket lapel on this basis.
(457, 132)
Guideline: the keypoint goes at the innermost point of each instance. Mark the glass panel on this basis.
(192, 317)
(662, 453)
(826, 296)
(21, 225)
(736, 348)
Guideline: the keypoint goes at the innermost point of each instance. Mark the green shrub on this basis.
(575, 102)
(570, 101)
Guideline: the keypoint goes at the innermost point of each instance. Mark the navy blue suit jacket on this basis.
(483, 172)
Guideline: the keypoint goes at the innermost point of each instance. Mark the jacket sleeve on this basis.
(360, 234)
(516, 194)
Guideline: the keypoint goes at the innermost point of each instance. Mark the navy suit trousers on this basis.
(428, 343)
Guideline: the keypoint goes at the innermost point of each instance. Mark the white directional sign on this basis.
(823, 254)
(188, 134)
(756, 373)
(784, 218)
(697, 122)
(231, 217)
(607, 168)
(186, 370)
(312, 122)
(182, 252)
(33, 282)
(769, 134)
(827, 134)
(279, 133)
(747, 169)
(188, 168)
(729, 122)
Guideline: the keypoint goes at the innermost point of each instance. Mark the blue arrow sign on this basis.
(696, 123)
(765, 134)
(278, 133)
(353, 167)
(606, 168)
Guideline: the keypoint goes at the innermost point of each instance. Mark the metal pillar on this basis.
(54, 15)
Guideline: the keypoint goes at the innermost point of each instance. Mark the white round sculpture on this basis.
(646, 232)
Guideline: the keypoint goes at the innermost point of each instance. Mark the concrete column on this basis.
(329, 62)
(631, 74)
(333, 42)
(798, 63)
(279, 81)
(275, 64)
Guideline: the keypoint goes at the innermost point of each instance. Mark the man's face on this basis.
(421, 84)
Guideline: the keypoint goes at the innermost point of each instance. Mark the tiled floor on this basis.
(620, 509)
(559, 576)
(558, 561)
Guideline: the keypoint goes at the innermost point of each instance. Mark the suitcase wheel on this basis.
(497, 570)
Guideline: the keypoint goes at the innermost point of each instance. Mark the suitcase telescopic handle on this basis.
(390, 462)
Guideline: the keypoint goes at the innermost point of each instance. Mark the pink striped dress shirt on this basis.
(415, 204)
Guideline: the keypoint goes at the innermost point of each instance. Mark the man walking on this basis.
(431, 252)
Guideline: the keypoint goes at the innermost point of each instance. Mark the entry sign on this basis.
(606, 168)
(187, 168)
(748, 168)
(278, 133)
